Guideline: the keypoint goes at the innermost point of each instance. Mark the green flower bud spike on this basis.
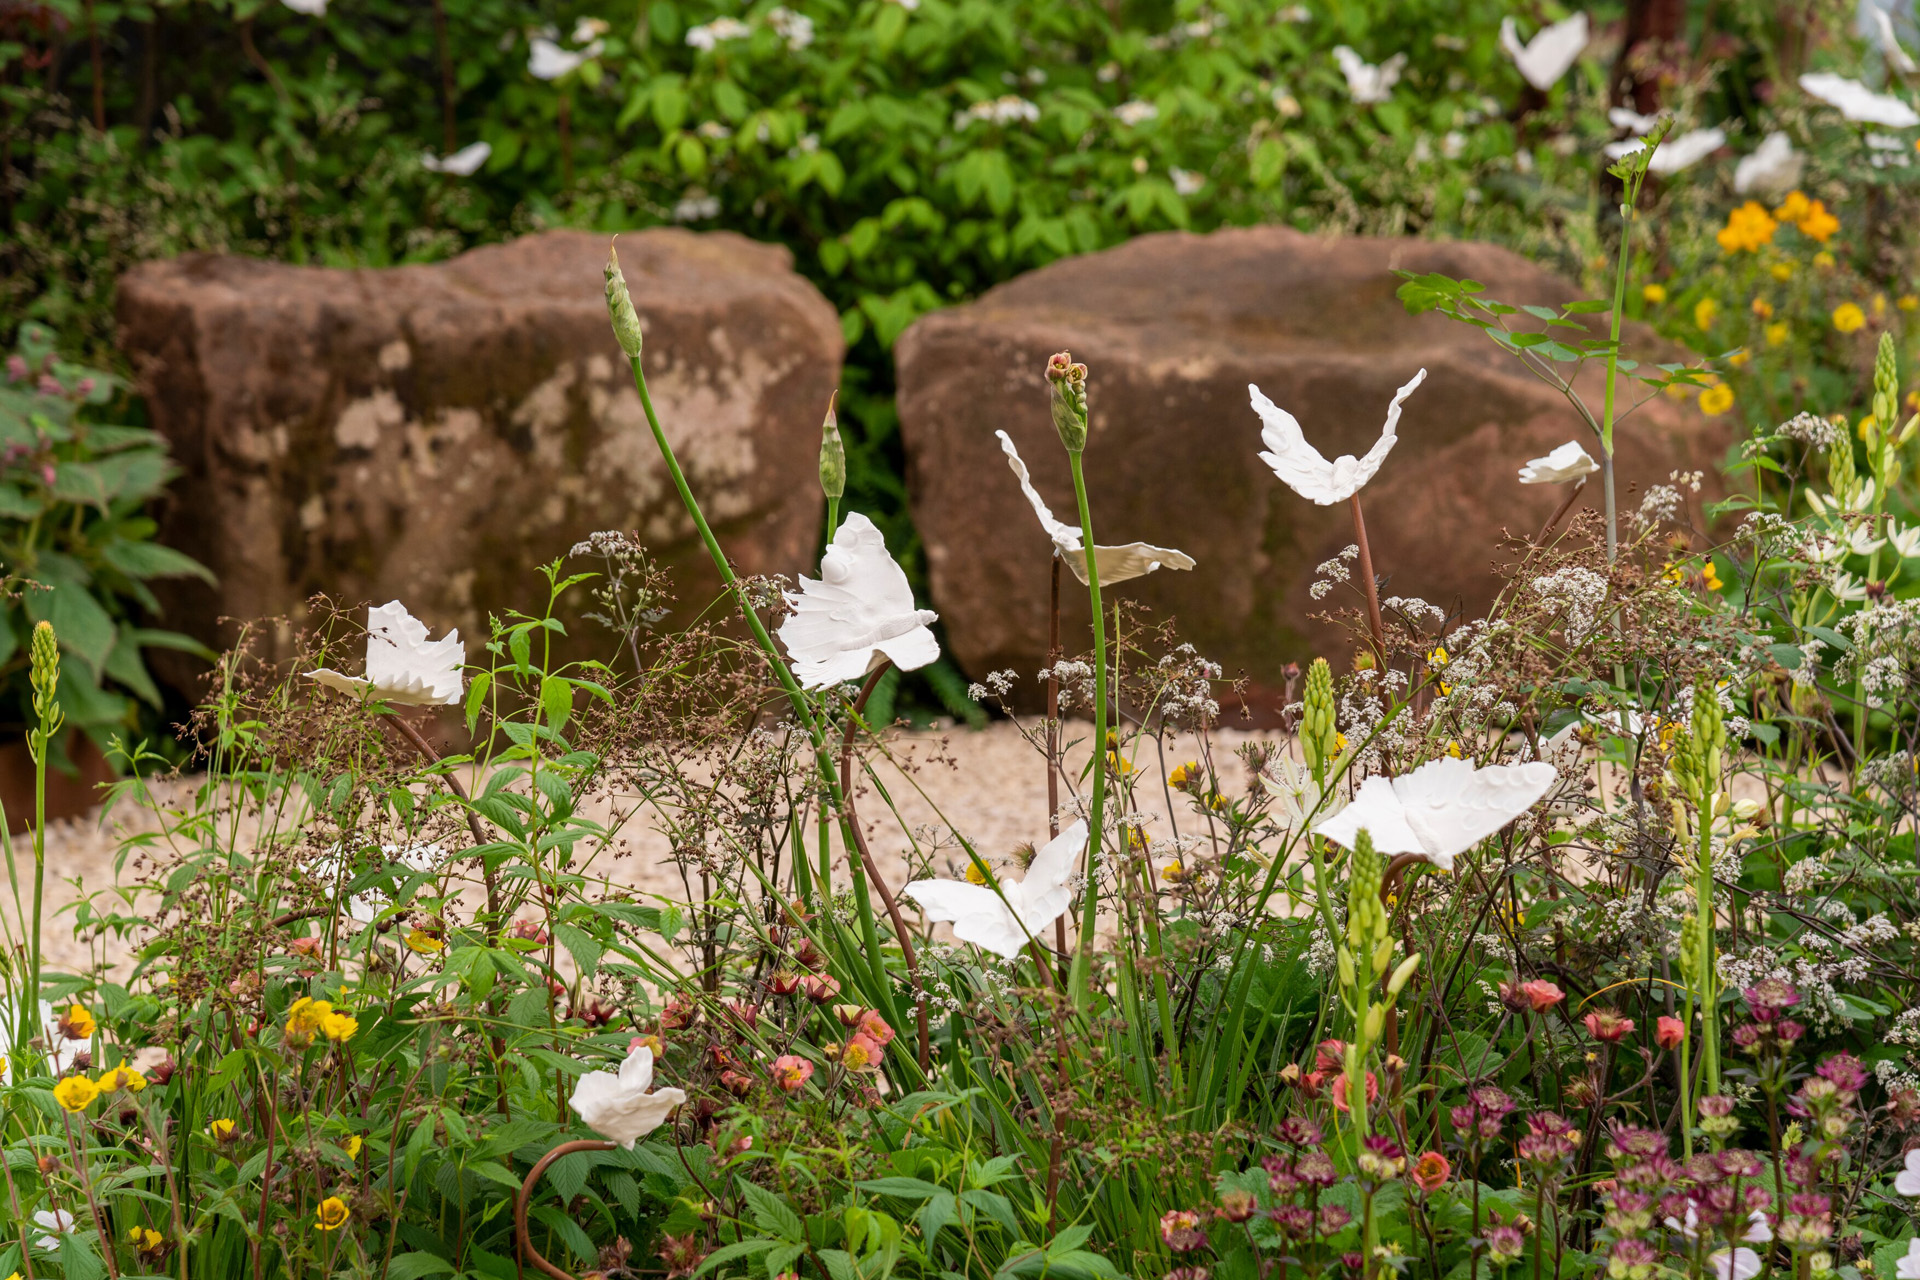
(1319, 738)
(833, 456)
(1069, 382)
(626, 321)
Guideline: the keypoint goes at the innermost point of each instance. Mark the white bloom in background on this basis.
(1008, 108)
(1453, 145)
(1294, 13)
(1568, 462)
(312, 8)
(1135, 113)
(1907, 1181)
(1368, 83)
(1905, 539)
(1846, 588)
(1308, 473)
(1907, 1266)
(1186, 182)
(696, 206)
(908, 5)
(1116, 564)
(365, 908)
(1897, 58)
(1550, 54)
(714, 131)
(1632, 121)
(1858, 103)
(1774, 167)
(57, 1223)
(1735, 1264)
(1441, 809)
(1002, 922)
(1888, 152)
(463, 163)
(402, 664)
(795, 28)
(618, 1107)
(707, 35)
(1674, 154)
(546, 60)
(60, 1052)
(1832, 504)
(859, 610)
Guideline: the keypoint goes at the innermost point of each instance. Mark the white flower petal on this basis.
(859, 608)
(1305, 469)
(1568, 462)
(1553, 50)
(1858, 103)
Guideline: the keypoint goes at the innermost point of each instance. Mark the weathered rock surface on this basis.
(1173, 327)
(434, 433)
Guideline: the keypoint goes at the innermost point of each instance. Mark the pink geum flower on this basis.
(1181, 1231)
(1340, 1091)
(875, 1028)
(1608, 1025)
(1670, 1032)
(1541, 995)
(791, 1071)
(1431, 1171)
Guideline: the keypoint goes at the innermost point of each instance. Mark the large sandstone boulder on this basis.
(1173, 327)
(434, 433)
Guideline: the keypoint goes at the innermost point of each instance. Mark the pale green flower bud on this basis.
(833, 456)
(1319, 739)
(626, 321)
(46, 662)
(1069, 381)
(1344, 959)
(1401, 975)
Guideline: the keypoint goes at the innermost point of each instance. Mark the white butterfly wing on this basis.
(1063, 536)
(976, 913)
(1117, 564)
(1896, 57)
(1039, 899)
(861, 602)
(1550, 53)
(1302, 466)
(1376, 810)
(1358, 71)
(916, 648)
(1369, 465)
(1453, 806)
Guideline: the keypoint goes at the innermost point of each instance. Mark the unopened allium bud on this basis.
(626, 321)
(1069, 382)
(833, 456)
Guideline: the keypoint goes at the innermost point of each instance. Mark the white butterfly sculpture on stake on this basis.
(1002, 922)
(1550, 54)
(1367, 83)
(1439, 810)
(859, 611)
(403, 666)
(1303, 467)
(1116, 564)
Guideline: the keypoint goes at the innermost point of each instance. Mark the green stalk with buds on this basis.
(48, 719)
(1697, 763)
(1883, 440)
(833, 467)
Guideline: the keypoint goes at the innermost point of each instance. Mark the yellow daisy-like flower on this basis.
(1655, 294)
(1907, 301)
(75, 1093)
(1704, 312)
(1739, 358)
(1794, 208)
(1715, 401)
(1818, 224)
(1748, 228)
(1173, 873)
(1339, 742)
(1849, 318)
(122, 1078)
(1763, 308)
(222, 1130)
(353, 1145)
(1781, 271)
(1184, 775)
(1824, 260)
(77, 1023)
(977, 874)
(306, 1014)
(339, 1026)
(1453, 748)
(1776, 333)
(1711, 576)
(145, 1239)
(424, 943)
(331, 1215)
(1674, 574)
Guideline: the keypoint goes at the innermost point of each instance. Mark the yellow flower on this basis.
(1173, 873)
(339, 1026)
(1184, 775)
(331, 1215)
(353, 1145)
(3, 1066)
(1711, 576)
(305, 1016)
(222, 1130)
(424, 943)
(1818, 224)
(1879, 305)
(1776, 333)
(1763, 308)
(1655, 293)
(1715, 401)
(1748, 228)
(1781, 271)
(122, 1078)
(1739, 358)
(1823, 260)
(1864, 426)
(977, 874)
(1907, 301)
(1849, 318)
(75, 1093)
(1794, 208)
(1339, 743)
(1677, 390)
(145, 1239)
(1453, 748)
(77, 1023)
(1674, 574)
(1704, 312)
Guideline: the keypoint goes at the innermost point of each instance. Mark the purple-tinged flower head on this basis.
(17, 368)
(1676, 1205)
(1746, 1037)
(1629, 1212)
(84, 387)
(50, 386)
(1236, 1205)
(1482, 1114)
(1316, 1170)
(1381, 1159)
(1716, 1105)
(1333, 1218)
(1352, 1261)
(1788, 1030)
(1189, 1273)
(1294, 1221)
(1809, 1204)
(1544, 1153)
(1632, 1259)
(1847, 1072)
(1181, 1231)
(1769, 998)
(1280, 1176)
(1298, 1131)
(1628, 1142)
(1550, 1123)
(1505, 1240)
(1702, 1169)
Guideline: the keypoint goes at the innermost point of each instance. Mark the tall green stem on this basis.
(1613, 368)
(1096, 811)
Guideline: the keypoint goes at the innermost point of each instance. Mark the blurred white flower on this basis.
(1907, 1265)
(714, 131)
(1897, 58)
(57, 1223)
(619, 1107)
(1453, 145)
(696, 206)
(1003, 921)
(1846, 588)
(60, 1052)
(1185, 181)
(1440, 810)
(1305, 470)
(463, 163)
(1367, 83)
(1905, 539)
(1888, 152)
(1568, 462)
(1294, 13)
(1632, 121)
(1008, 108)
(908, 5)
(707, 35)
(1552, 51)
(1830, 504)
(403, 666)
(795, 28)
(1135, 113)
(1858, 103)
(1674, 154)
(547, 60)
(1772, 169)
(312, 8)
(1116, 564)
(859, 610)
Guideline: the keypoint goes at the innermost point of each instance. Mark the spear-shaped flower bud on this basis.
(1069, 382)
(833, 456)
(1319, 738)
(626, 321)
(46, 663)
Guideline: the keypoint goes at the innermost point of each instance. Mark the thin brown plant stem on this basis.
(1374, 622)
(520, 1236)
(19, 1216)
(265, 68)
(93, 1205)
(430, 757)
(1560, 512)
(441, 46)
(879, 882)
(1053, 747)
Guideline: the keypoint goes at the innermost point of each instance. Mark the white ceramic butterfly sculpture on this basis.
(1301, 465)
(1116, 564)
(1552, 51)
(1773, 168)
(1674, 154)
(403, 666)
(1568, 462)
(1859, 103)
(1002, 922)
(1897, 58)
(859, 610)
(1366, 82)
(1441, 809)
(463, 163)
(1632, 121)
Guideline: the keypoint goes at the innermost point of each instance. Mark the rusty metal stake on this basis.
(525, 1242)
